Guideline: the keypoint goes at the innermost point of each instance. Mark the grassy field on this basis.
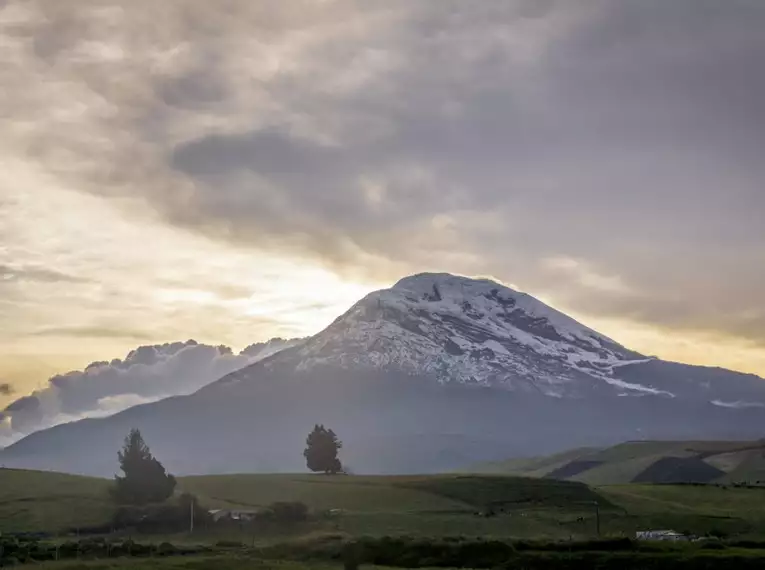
(387, 552)
(431, 493)
(355, 493)
(532, 466)
(695, 509)
(444, 505)
(229, 562)
(41, 501)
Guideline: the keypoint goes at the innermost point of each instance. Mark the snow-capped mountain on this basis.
(472, 332)
(478, 332)
(262, 350)
(434, 373)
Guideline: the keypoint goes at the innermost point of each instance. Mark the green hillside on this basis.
(33, 501)
(723, 462)
(356, 493)
(532, 466)
(44, 501)
(387, 493)
(441, 505)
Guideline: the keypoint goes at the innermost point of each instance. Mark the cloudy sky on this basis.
(235, 170)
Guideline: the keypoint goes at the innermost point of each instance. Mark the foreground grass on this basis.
(227, 562)
(333, 552)
(43, 501)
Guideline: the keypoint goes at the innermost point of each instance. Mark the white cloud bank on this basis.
(147, 374)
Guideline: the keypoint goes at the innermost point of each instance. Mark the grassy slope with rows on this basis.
(532, 466)
(44, 501)
(740, 461)
(388, 493)
(375, 505)
(440, 505)
(688, 508)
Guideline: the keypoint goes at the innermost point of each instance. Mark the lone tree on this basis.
(145, 480)
(321, 450)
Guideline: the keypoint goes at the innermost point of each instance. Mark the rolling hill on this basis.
(724, 462)
(440, 505)
(35, 501)
(38, 501)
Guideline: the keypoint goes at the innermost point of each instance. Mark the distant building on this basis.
(236, 515)
(668, 535)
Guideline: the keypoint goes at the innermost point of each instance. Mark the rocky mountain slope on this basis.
(435, 373)
(478, 333)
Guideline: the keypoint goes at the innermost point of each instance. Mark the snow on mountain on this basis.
(262, 350)
(738, 405)
(546, 383)
(471, 331)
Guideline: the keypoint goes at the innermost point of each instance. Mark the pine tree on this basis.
(321, 450)
(145, 480)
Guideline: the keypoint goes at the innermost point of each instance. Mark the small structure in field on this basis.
(665, 535)
(235, 515)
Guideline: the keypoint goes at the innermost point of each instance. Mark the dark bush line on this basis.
(14, 551)
(619, 554)
(613, 554)
(756, 486)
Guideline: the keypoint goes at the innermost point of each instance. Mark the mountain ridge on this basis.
(439, 372)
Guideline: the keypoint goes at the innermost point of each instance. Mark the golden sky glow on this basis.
(131, 280)
(128, 280)
(170, 170)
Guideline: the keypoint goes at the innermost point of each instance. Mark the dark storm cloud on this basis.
(633, 142)
(606, 153)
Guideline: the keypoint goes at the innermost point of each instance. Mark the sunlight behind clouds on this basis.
(170, 170)
(84, 280)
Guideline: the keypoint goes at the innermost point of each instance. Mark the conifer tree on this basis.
(144, 480)
(321, 450)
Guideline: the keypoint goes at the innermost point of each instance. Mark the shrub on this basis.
(164, 517)
(285, 512)
(713, 545)
(353, 556)
(166, 549)
(229, 544)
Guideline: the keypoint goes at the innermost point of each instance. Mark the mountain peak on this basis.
(447, 283)
(446, 288)
(472, 331)
(546, 380)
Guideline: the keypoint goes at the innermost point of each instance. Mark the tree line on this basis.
(145, 481)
